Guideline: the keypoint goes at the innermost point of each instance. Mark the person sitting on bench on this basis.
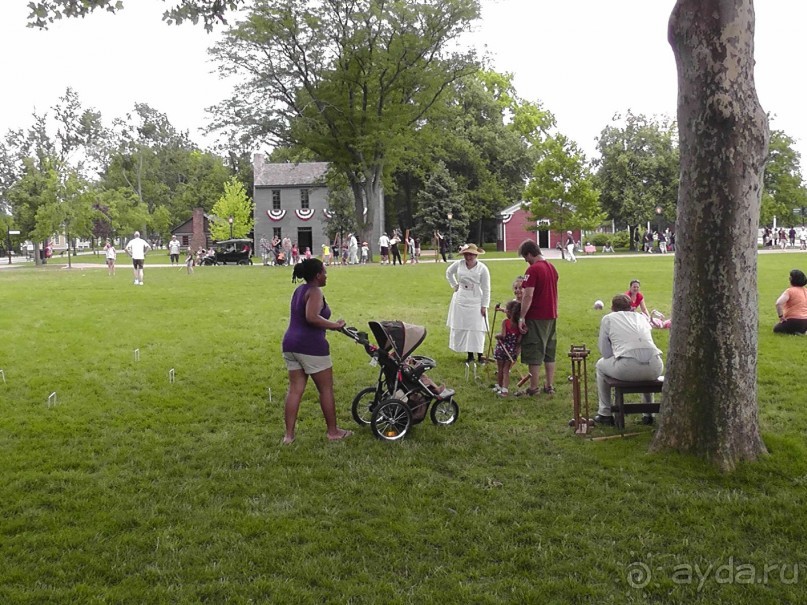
(628, 353)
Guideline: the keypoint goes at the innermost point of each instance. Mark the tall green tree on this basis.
(784, 195)
(236, 204)
(349, 81)
(440, 197)
(163, 167)
(562, 188)
(486, 136)
(638, 169)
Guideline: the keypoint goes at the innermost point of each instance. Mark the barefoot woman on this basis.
(305, 348)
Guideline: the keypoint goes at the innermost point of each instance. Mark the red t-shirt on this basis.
(543, 278)
(635, 302)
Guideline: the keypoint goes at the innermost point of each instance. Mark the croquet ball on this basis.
(571, 422)
(598, 304)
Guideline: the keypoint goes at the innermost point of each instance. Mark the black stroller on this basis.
(403, 394)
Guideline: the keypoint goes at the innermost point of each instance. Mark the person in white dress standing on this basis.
(467, 314)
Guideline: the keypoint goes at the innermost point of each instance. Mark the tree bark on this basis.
(709, 403)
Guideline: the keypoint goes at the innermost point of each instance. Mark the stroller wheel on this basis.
(363, 405)
(391, 420)
(445, 412)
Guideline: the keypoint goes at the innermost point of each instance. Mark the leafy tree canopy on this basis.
(351, 82)
(236, 204)
(562, 187)
(210, 12)
(784, 193)
(638, 168)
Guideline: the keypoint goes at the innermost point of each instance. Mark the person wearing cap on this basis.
(137, 248)
(365, 253)
(570, 247)
(467, 313)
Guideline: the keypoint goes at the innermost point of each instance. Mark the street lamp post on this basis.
(230, 220)
(450, 247)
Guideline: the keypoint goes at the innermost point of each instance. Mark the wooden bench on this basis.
(622, 387)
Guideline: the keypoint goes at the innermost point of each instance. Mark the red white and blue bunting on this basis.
(276, 215)
(328, 214)
(304, 215)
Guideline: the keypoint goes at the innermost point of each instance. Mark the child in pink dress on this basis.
(507, 347)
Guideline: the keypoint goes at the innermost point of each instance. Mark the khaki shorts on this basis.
(540, 342)
(310, 364)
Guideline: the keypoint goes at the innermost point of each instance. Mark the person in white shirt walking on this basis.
(137, 248)
(173, 250)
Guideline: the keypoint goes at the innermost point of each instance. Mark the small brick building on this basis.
(513, 228)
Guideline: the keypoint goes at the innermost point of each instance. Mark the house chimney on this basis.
(199, 237)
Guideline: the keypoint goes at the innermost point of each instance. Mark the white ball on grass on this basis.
(598, 304)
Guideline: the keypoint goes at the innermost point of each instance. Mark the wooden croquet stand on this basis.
(579, 379)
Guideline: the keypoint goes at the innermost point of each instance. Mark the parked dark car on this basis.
(238, 251)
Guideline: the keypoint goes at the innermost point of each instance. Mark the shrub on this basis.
(620, 239)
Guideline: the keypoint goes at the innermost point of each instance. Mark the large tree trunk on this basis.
(710, 394)
(368, 199)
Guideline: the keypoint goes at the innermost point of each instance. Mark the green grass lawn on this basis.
(132, 489)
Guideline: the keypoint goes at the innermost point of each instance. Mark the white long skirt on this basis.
(467, 326)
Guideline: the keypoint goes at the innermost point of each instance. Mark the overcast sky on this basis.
(585, 60)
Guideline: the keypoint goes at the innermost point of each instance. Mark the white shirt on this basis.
(137, 248)
(111, 253)
(627, 334)
(173, 246)
(383, 241)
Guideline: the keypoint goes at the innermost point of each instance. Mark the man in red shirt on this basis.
(539, 312)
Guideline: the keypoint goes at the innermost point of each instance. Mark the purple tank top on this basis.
(300, 336)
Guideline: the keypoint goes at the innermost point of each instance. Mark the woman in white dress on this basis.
(467, 314)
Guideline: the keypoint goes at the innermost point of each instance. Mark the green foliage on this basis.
(438, 198)
(234, 203)
(486, 136)
(210, 12)
(784, 191)
(562, 188)
(136, 490)
(638, 169)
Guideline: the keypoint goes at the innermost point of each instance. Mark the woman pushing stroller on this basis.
(306, 351)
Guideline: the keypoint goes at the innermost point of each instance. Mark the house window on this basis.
(276, 233)
(275, 199)
(304, 199)
(186, 240)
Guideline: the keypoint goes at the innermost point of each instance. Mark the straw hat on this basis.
(471, 249)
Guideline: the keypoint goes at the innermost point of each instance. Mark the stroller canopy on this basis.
(397, 336)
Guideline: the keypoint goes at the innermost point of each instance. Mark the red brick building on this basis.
(513, 228)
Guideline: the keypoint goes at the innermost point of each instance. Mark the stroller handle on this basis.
(359, 337)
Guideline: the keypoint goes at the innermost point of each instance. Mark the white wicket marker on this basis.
(3, 374)
(171, 375)
(137, 354)
(270, 394)
(52, 399)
